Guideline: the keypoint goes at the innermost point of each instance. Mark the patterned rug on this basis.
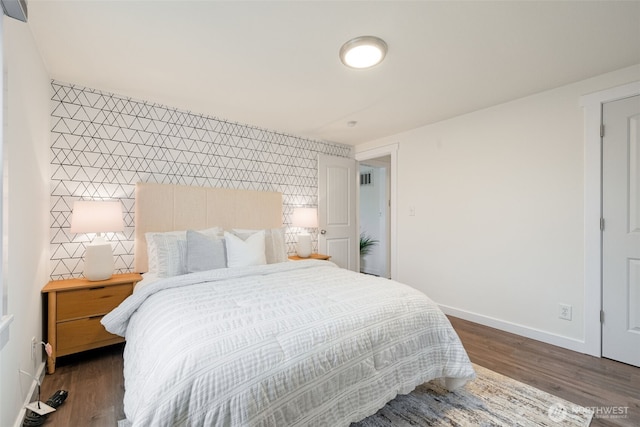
(490, 400)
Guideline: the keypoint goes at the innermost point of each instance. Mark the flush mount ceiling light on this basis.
(363, 52)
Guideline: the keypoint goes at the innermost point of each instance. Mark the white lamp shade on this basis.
(96, 216)
(305, 217)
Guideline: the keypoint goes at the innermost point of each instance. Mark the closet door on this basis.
(621, 233)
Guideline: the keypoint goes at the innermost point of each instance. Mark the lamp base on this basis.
(98, 260)
(303, 248)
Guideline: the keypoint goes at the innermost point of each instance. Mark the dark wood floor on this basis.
(96, 387)
(587, 381)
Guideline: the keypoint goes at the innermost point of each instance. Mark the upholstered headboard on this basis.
(167, 207)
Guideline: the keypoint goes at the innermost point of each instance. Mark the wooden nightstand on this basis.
(312, 256)
(75, 308)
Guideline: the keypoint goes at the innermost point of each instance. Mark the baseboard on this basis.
(514, 328)
(371, 272)
(31, 396)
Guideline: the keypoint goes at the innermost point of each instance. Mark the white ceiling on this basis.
(275, 64)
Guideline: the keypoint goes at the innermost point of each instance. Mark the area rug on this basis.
(489, 400)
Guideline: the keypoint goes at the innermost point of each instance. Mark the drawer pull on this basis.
(97, 316)
(96, 288)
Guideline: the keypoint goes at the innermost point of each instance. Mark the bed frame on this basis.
(168, 207)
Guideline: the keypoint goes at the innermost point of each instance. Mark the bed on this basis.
(265, 342)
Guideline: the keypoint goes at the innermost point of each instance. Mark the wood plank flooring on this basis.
(96, 389)
(96, 386)
(600, 384)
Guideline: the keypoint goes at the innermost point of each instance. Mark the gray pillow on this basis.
(204, 252)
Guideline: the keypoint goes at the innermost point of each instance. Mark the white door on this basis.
(337, 210)
(621, 233)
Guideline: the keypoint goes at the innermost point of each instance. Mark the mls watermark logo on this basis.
(557, 412)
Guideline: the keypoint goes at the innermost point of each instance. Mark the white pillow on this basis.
(275, 247)
(242, 253)
(204, 252)
(166, 251)
(170, 255)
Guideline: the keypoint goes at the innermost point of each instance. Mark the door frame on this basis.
(592, 105)
(392, 151)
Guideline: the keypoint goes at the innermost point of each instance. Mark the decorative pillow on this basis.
(204, 252)
(274, 243)
(242, 253)
(170, 255)
(166, 251)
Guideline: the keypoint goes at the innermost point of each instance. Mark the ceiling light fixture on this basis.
(363, 52)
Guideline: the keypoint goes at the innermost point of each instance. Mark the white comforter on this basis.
(297, 343)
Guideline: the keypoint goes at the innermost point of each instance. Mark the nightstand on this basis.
(312, 256)
(75, 308)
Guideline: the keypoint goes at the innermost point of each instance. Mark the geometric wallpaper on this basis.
(102, 144)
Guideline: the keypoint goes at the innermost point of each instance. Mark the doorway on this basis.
(382, 157)
(374, 216)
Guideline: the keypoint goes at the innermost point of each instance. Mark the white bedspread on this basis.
(297, 343)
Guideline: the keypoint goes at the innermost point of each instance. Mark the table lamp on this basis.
(304, 218)
(97, 217)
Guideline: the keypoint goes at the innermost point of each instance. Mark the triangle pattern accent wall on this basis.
(102, 144)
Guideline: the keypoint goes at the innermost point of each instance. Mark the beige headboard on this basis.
(166, 207)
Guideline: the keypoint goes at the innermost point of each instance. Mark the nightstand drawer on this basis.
(75, 308)
(83, 334)
(90, 301)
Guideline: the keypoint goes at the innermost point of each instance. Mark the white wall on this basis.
(498, 231)
(27, 141)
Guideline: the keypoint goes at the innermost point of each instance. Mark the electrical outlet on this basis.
(34, 345)
(564, 311)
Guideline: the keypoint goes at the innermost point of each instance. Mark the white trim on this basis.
(592, 105)
(4, 337)
(392, 151)
(31, 396)
(5, 321)
(514, 328)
